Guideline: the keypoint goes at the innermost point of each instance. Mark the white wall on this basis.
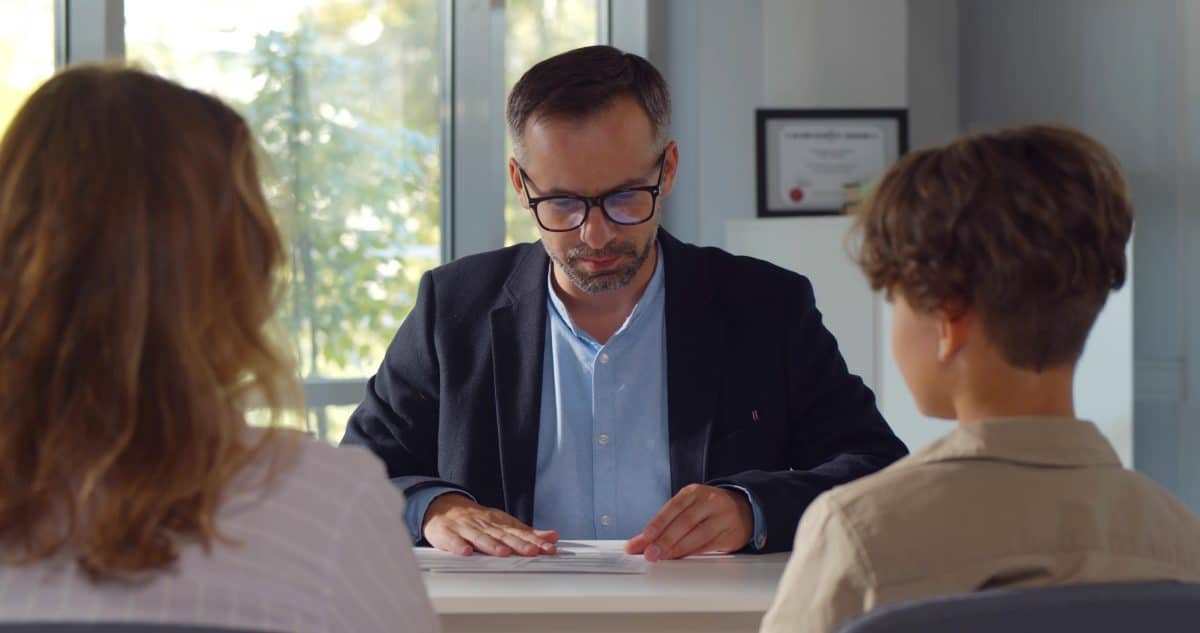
(933, 69)
(844, 54)
(711, 56)
(724, 59)
(884, 53)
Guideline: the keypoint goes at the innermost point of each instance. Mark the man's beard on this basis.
(606, 281)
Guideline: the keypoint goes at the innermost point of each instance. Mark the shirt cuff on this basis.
(760, 522)
(418, 503)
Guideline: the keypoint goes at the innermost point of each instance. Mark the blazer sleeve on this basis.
(835, 432)
(398, 417)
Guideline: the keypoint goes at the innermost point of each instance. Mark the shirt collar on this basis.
(1048, 441)
(654, 291)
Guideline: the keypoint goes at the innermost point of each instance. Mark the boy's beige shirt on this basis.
(1029, 502)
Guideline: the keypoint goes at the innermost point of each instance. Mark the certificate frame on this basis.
(854, 146)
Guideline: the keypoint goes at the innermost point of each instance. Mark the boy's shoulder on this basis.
(923, 517)
(891, 491)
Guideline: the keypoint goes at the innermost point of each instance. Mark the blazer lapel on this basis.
(695, 337)
(518, 344)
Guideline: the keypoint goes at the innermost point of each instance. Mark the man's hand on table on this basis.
(699, 519)
(454, 523)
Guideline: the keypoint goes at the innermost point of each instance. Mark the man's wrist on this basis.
(417, 504)
(444, 503)
(758, 527)
(745, 514)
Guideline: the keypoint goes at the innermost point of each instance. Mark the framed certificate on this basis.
(820, 162)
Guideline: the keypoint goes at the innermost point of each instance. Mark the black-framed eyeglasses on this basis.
(627, 207)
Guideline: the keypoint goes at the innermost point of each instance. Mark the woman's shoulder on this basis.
(343, 473)
(352, 461)
(305, 476)
(292, 454)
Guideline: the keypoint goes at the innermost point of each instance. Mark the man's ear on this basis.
(514, 175)
(954, 323)
(670, 168)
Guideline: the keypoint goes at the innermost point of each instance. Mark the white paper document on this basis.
(568, 560)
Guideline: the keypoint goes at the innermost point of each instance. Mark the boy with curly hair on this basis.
(997, 250)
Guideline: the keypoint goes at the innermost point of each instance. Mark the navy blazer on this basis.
(758, 394)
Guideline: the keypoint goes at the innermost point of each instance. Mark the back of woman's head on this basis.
(138, 261)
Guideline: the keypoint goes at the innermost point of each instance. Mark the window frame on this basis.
(472, 116)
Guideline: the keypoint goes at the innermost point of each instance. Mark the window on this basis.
(26, 52)
(352, 102)
(535, 30)
(343, 95)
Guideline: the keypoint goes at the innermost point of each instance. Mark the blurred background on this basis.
(382, 125)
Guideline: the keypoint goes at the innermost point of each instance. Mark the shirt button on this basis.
(604, 359)
(603, 439)
(605, 520)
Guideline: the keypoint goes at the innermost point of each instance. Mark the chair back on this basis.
(1158, 607)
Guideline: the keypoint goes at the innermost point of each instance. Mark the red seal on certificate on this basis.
(796, 194)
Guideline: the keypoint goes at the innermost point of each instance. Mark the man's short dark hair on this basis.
(581, 82)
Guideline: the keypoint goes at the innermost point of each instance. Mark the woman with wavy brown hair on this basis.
(138, 278)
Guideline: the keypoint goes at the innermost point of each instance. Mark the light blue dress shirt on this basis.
(603, 465)
(603, 461)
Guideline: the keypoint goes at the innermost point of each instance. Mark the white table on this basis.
(727, 594)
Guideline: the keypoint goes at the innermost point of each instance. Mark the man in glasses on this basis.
(612, 382)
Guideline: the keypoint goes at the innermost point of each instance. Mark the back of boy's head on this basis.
(1026, 226)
